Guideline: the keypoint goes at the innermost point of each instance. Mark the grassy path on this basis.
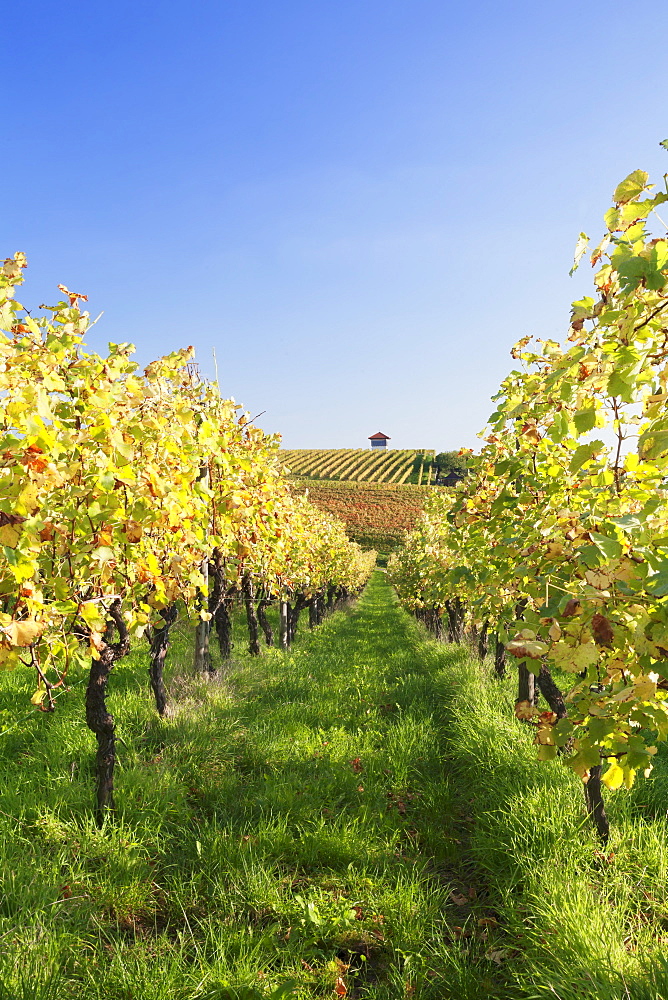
(291, 825)
(362, 817)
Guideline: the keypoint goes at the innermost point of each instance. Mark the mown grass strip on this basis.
(289, 826)
(573, 920)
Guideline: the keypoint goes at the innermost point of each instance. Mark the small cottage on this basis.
(451, 479)
(379, 440)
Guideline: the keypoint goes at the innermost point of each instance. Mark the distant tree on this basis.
(450, 461)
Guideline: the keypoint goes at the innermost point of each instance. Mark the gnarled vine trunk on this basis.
(98, 718)
(294, 612)
(483, 641)
(499, 657)
(220, 597)
(551, 692)
(248, 591)
(595, 804)
(455, 611)
(265, 624)
(159, 639)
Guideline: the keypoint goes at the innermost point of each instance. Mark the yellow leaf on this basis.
(38, 696)
(133, 531)
(9, 535)
(614, 776)
(23, 633)
(90, 612)
(9, 658)
(555, 632)
(644, 688)
(601, 580)
(27, 499)
(574, 659)
(630, 775)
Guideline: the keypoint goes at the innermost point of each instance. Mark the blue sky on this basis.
(360, 205)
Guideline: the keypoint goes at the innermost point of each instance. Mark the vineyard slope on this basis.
(399, 465)
(375, 514)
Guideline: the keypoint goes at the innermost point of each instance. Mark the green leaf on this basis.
(609, 547)
(632, 270)
(584, 760)
(583, 453)
(284, 991)
(639, 210)
(619, 385)
(611, 219)
(653, 444)
(562, 732)
(657, 583)
(585, 419)
(107, 481)
(559, 427)
(582, 308)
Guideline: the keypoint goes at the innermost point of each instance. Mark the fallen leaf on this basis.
(460, 932)
(458, 898)
(356, 765)
(340, 987)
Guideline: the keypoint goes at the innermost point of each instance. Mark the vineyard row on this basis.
(131, 499)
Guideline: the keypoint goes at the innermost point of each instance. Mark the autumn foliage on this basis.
(559, 538)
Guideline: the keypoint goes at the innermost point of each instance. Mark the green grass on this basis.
(365, 807)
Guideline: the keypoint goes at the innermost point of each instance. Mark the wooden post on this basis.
(283, 625)
(526, 688)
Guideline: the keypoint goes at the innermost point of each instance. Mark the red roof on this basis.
(379, 437)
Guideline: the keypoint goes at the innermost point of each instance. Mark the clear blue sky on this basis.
(360, 204)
